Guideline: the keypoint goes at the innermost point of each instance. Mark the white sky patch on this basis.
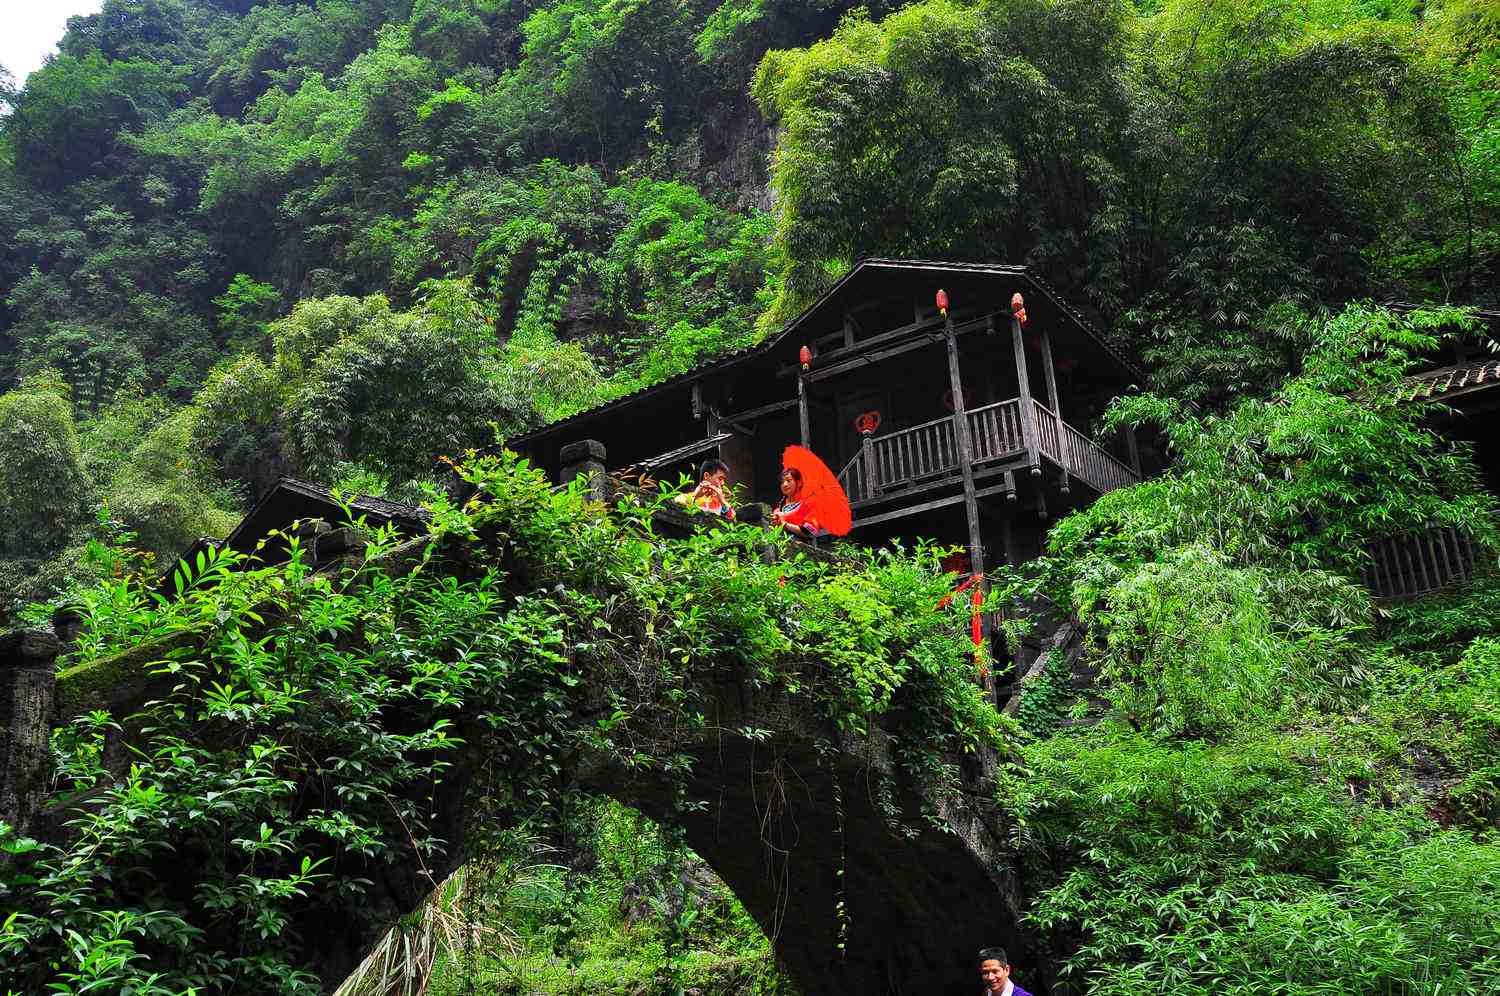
(31, 29)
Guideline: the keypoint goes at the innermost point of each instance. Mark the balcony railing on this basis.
(1418, 562)
(1080, 455)
(902, 460)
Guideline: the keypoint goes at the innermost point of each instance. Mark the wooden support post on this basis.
(872, 473)
(1028, 410)
(1050, 373)
(1010, 486)
(965, 452)
(1055, 402)
(1133, 449)
(802, 411)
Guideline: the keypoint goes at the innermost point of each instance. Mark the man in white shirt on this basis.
(994, 971)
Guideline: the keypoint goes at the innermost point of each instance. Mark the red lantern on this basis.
(1018, 308)
(942, 302)
(804, 356)
(866, 423)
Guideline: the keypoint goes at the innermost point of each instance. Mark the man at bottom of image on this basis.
(994, 970)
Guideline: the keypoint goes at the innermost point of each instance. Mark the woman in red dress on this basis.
(792, 516)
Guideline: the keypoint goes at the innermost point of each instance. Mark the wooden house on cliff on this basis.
(967, 423)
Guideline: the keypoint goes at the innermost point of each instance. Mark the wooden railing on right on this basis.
(1083, 458)
(1420, 561)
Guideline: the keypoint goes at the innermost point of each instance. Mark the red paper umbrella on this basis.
(821, 494)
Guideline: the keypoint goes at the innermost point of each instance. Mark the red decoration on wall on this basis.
(942, 302)
(804, 356)
(1018, 308)
(866, 423)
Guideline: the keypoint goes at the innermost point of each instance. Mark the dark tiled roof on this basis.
(1450, 381)
(293, 499)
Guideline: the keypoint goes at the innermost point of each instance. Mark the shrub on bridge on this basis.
(291, 789)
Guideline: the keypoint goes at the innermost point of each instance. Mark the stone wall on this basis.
(28, 659)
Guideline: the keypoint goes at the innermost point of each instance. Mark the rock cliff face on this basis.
(733, 157)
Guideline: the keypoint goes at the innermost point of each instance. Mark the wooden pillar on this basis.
(1055, 402)
(802, 410)
(867, 457)
(1028, 410)
(1133, 449)
(1050, 373)
(965, 453)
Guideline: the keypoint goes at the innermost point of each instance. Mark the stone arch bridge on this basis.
(780, 819)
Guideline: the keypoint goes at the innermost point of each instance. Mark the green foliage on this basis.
(1044, 699)
(1213, 870)
(41, 469)
(471, 212)
(934, 134)
(244, 308)
(612, 920)
(164, 492)
(1277, 752)
(691, 273)
(1219, 590)
(67, 116)
(400, 391)
(1305, 478)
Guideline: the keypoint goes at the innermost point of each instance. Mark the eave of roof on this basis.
(1462, 378)
(771, 342)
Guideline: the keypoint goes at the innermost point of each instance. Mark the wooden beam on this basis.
(965, 453)
(717, 421)
(932, 329)
(806, 426)
(991, 491)
(682, 452)
(1028, 411)
(901, 513)
(855, 362)
(1133, 449)
(762, 411)
(865, 359)
(1051, 375)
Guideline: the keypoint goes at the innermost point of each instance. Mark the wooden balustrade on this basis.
(898, 460)
(995, 430)
(1420, 561)
(1091, 463)
(910, 455)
